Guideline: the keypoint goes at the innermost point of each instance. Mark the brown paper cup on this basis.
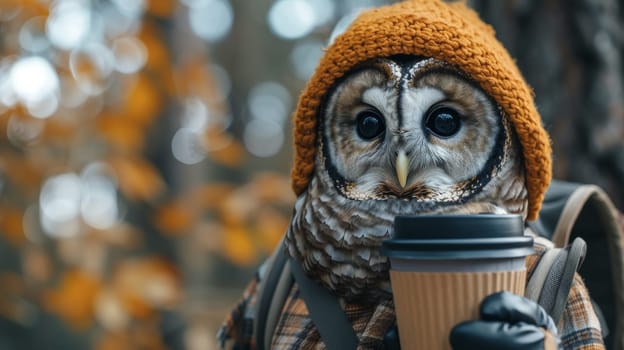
(442, 267)
(429, 304)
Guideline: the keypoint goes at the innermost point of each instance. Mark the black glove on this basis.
(510, 322)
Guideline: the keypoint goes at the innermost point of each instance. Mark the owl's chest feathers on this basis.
(338, 241)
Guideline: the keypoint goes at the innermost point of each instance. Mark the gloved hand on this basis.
(510, 322)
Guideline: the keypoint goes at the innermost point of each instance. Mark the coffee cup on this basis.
(442, 266)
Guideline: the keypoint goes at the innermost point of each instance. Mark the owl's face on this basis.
(411, 129)
(399, 136)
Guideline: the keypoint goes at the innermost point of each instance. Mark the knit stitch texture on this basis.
(449, 32)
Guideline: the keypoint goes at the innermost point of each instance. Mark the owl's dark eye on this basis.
(370, 124)
(443, 122)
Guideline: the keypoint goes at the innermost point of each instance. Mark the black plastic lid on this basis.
(434, 237)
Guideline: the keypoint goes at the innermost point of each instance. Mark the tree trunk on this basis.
(571, 53)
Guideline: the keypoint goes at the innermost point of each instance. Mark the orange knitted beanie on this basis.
(449, 32)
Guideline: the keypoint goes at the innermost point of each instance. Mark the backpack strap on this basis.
(278, 275)
(280, 295)
(536, 282)
(570, 213)
(275, 283)
(551, 280)
(325, 311)
(572, 210)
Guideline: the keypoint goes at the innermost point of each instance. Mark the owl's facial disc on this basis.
(415, 130)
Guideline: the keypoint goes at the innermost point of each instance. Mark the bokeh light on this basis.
(91, 66)
(7, 95)
(23, 130)
(263, 138)
(36, 84)
(132, 9)
(324, 10)
(69, 23)
(98, 204)
(195, 116)
(60, 204)
(222, 79)
(32, 35)
(211, 20)
(123, 19)
(292, 19)
(305, 56)
(186, 146)
(269, 101)
(72, 96)
(130, 54)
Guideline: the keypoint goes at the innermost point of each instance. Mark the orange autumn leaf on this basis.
(11, 225)
(238, 207)
(271, 226)
(238, 247)
(4, 124)
(158, 64)
(209, 196)
(231, 155)
(147, 284)
(161, 8)
(157, 53)
(122, 133)
(33, 7)
(59, 130)
(174, 218)
(114, 341)
(37, 265)
(138, 179)
(209, 236)
(195, 78)
(109, 311)
(272, 187)
(144, 100)
(74, 298)
(134, 305)
(22, 173)
(144, 338)
(121, 235)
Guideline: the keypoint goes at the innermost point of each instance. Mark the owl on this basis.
(402, 135)
(416, 108)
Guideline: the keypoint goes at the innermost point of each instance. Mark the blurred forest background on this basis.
(145, 149)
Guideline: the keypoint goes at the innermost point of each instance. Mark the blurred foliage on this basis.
(104, 230)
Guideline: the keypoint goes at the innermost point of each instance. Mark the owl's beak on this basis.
(401, 166)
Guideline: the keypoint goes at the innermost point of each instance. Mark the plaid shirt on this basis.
(578, 328)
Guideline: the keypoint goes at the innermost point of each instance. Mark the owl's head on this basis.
(415, 129)
(419, 101)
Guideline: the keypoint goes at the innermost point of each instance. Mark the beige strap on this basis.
(572, 209)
